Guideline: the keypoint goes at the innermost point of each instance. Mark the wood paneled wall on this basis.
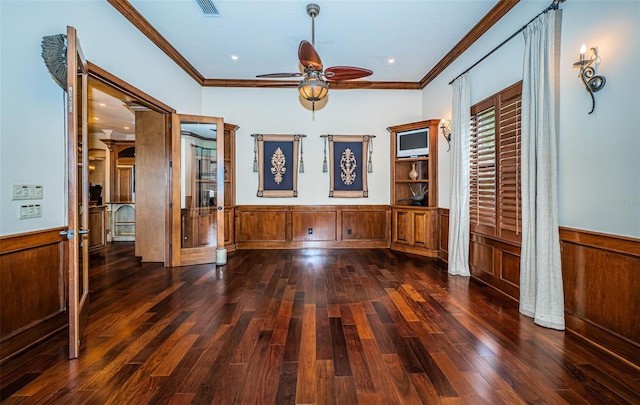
(601, 276)
(327, 226)
(601, 281)
(33, 289)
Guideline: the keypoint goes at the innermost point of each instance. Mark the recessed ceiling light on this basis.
(234, 57)
(126, 127)
(391, 61)
(96, 118)
(103, 105)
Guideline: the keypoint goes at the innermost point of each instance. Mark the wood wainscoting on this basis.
(33, 289)
(443, 239)
(601, 277)
(313, 226)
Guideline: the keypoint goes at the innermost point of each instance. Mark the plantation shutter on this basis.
(509, 206)
(495, 207)
(482, 201)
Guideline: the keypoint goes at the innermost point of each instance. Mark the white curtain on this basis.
(541, 293)
(459, 197)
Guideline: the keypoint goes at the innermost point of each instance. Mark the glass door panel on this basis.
(200, 208)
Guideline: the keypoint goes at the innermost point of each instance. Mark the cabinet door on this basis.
(402, 227)
(124, 183)
(425, 226)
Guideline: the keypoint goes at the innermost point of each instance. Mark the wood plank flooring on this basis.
(343, 326)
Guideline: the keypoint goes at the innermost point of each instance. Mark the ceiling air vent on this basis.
(208, 8)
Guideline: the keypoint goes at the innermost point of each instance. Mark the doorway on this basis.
(130, 149)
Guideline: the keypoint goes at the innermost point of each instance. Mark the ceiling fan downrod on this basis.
(313, 10)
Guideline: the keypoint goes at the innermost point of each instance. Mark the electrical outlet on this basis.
(348, 231)
(310, 231)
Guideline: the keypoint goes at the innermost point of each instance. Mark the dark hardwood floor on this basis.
(351, 326)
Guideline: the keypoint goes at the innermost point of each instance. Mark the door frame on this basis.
(77, 192)
(198, 255)
(97, 73)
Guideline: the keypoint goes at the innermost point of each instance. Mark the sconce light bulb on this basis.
(583, 49)
(442, 122)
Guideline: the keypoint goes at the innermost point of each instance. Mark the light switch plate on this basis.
(27, 192)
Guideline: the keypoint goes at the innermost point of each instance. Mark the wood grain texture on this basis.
(601, 278)
(318, 226)
(333, 326)
(152, 170)
(32, 289)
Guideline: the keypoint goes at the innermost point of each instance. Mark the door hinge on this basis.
(170, 205)
(171, 163)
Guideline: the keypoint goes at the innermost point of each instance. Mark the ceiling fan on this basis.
(314, 85)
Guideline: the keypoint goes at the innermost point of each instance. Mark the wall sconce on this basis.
(592, 81)
(446, 132)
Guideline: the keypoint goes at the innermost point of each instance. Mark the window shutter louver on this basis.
(510, 213)
(482, 200)
(494, 204)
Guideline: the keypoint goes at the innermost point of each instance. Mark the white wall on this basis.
(599, 164)
(32, 124)
(279, 111)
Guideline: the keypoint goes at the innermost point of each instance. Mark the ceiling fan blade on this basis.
(308, 56)
(337, 73)
(279, 75)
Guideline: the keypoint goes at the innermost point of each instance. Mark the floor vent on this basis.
(208, 8)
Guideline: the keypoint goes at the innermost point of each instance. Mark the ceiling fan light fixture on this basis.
(313, 88)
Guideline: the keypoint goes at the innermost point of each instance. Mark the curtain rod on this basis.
(553, 6)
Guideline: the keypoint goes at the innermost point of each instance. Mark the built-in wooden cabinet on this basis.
(414, 191)
(122, 170)
(98, 227)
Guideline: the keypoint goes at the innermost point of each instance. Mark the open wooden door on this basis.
(197, 189)
(77, 192)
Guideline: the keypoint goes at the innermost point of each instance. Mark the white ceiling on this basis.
(265, 34)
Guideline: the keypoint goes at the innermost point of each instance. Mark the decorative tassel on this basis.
(324, 162)
(255, 155)
(370, 162)
(301, 169)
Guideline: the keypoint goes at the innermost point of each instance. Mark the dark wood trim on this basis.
(495, 14)
(22, 241)
(614, 243)
(488, 21)
(36, 321)
(130, 13)
(346, 85)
